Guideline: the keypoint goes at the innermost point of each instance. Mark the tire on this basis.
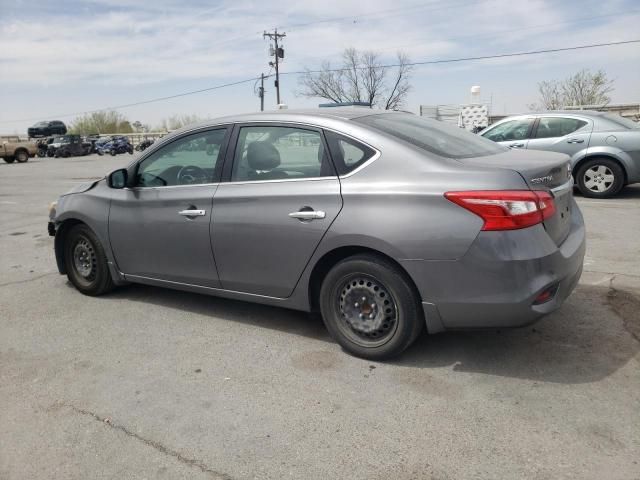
(86, 262)
(113, 152)
(100, 152)
(22, 156)
(388, 294)
(600, 178)
(9, 159)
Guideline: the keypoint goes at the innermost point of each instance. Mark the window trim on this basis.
(224, 150)
(227, 169)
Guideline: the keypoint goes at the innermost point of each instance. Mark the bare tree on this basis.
(582, 88)
(362, 77)
(550, 96)
(586, 88)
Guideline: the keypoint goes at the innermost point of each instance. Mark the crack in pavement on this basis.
(192, 462)
(16, 282)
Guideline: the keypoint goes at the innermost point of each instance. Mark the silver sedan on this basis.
(604, 148)
(384, 222)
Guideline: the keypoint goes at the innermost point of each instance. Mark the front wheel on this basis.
(370, 307)
(9, 159)
(86, 262)
(600, 178)
(113, 152)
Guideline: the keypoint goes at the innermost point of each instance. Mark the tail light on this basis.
(506, 209)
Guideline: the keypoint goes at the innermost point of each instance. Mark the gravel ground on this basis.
(153, 383)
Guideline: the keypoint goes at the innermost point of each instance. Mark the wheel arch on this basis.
(327, 261)
(62, 231)
(604, 155)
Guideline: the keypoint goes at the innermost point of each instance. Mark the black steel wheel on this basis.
(370, 307)
(86, 262)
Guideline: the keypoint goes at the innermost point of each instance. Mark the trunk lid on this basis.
(541, 171)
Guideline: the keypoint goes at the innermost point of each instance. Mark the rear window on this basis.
(433, 136)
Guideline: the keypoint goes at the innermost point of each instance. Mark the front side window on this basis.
(431, 135)
(277, 153)
(191, 160)
(550, 127)
(509, 131)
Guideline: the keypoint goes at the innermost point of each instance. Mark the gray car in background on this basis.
(604, 148)
(386, 223)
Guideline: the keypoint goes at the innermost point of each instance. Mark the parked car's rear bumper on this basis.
(496, 283)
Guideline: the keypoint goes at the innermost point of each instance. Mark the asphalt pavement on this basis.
(149, 383)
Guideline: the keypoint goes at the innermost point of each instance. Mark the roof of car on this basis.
(585, 113)
(300, 115)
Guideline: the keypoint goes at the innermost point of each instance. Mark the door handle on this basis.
(308, 215)
(575, 140)
(516, 145)
(192, 213)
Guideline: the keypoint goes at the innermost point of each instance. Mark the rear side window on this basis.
(550, 127)
(433, 136)
(347, 154)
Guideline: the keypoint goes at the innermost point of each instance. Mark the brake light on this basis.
(506, 209)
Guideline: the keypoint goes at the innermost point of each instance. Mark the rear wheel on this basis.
(600, 178)
(22, 156)
(370, 308)
(86, 262)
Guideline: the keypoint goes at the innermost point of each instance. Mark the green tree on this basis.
(581, 88)
(103, 122)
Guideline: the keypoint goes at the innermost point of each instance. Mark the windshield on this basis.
(622, 122)
(41, 124)
(432, 135)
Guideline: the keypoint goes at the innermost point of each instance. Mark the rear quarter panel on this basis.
(621, 145)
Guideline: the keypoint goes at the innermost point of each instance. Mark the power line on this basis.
(469, 59)
(143, 102)
(426, 62)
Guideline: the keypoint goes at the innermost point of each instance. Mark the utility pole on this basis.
(261, 92)
(277, 52)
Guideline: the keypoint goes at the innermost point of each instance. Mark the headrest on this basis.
(262, 156)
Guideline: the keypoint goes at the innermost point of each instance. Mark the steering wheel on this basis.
(191, 175)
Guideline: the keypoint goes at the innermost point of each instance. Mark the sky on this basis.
(61, 58)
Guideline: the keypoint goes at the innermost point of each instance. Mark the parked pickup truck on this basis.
(12, 149)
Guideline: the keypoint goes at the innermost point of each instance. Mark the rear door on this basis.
(281, 196)
(567, 135)
(511, 133)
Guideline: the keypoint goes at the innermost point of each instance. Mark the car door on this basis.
(281, 197)
(567, 135)
(512, 133)
(159, 227)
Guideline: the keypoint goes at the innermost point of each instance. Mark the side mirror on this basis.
(118, 178)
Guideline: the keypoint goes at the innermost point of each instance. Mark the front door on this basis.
(561, 134)
(282, 196)
(159, 228)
